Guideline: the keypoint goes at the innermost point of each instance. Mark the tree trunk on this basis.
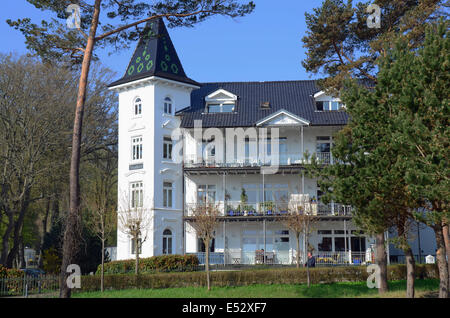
(308, 276)
(6, 237)
(441, 261)
(102, 277)
(381, 261)
(298, 250)
(18, 225)
(44, 231)
(55, 211)
(410, 273)
(137, 247)
(71, 233)
(208, 281)
(446, 234)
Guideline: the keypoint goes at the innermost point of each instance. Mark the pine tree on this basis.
(418, 84)
(393, 152)
(121, 25)
(340, 45)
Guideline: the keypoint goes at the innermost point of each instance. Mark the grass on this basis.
(335, 290)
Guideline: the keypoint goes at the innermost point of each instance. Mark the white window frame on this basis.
(136, 148)
(167, 238)
(327, 105)
(137, 107)
(169, 150)
(168, 105)
(168, 199)
(136, 194)
(221, 107)
(133, 248)
(207, 189)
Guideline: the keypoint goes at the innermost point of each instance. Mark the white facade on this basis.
(165, 177)
(152, 170)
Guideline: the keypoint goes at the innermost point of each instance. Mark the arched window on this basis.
(137, 106)
(167, 106)
(167, 241)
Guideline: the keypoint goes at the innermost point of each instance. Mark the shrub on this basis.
(163, 263)
(2, 271)
(51, 261)
(250, 277)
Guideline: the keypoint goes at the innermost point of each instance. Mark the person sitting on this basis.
(311, 260)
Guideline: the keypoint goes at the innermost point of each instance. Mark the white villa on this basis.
(166, 167)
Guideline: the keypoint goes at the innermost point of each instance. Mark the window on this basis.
(201, 245)
(167, 241)
(220, 108)
(136, 148)
(319, 106)
(339, 244)
(328, 105)
(136, 195)
(133, 246)
(167, 148)
(167, 106)
(208, 148)
(325, 245)
(272, 192)
(206, 194)
(282, 240)
(253, 240)
(323, 144)
(167, 194)
(137, 107)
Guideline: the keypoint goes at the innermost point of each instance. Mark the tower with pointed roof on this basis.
(153, 87)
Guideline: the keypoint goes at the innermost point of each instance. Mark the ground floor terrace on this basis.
(266, 240)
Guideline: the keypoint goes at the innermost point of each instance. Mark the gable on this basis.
(221, 95)
(282, 118)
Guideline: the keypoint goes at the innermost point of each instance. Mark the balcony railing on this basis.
(271, 208)
(324, 157)
(284, 159)
(280, 257)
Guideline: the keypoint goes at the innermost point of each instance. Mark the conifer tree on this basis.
(393, 152)
(121, 24)
(340, 44)
(418, 84)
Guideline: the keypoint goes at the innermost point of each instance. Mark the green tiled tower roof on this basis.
(155, 55)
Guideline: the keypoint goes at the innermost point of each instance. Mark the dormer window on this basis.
(167, 106)
(220, 101)
(220, 108)
(325, 102)
(328, 105)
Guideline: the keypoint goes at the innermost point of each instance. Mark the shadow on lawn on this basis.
(355, 289)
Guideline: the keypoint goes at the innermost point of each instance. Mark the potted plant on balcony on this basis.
(266, 207)
(244, 199)
(231, 211)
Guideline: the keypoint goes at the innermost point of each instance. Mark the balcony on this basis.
(280, 257)
(237, 209)
(285, 159)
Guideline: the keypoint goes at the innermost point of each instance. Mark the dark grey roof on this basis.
(154, 55)
(294, 96)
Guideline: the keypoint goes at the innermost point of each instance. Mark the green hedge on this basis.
(163, 263)
(249, 277)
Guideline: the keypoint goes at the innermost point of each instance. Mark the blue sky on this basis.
(264, 46)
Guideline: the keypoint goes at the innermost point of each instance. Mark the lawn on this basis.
(335, 290)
